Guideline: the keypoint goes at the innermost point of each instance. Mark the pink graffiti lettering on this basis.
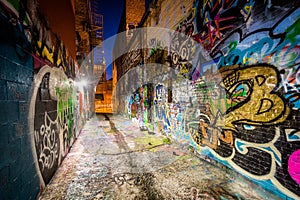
(294, 166)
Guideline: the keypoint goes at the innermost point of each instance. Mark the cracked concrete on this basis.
(113, 159)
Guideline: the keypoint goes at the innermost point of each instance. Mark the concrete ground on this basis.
(113, 159)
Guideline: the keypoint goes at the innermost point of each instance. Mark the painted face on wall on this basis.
(250, 101)
(253, 122)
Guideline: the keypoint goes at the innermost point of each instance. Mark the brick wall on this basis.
(134, 11)
(17, 180)
(38, 100)
(234, 97)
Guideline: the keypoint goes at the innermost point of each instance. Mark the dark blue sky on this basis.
(111, 11)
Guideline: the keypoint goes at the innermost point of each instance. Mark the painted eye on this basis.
(241, 92)
(248, 127)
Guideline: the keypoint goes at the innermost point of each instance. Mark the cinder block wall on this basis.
(235, 96)
(18, 175)
(41, 110)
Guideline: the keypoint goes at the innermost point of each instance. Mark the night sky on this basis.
(111, 11)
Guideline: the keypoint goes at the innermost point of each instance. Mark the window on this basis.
(130, 27)
(109, 86)
(99, 97)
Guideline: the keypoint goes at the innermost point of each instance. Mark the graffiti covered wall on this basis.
(42, 109)
(52, 118)
(249, 113)
(236, 95)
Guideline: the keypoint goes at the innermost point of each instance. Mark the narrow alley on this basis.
(149, 99)
(113, 159)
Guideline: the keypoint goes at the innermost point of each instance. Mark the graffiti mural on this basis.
(238, 134)
(53, 119)
(139, 106)
(181, 51)
(247, 93)
(46, 46)
(214, 19)
(162, 117)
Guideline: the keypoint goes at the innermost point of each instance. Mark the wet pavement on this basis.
(113, 159)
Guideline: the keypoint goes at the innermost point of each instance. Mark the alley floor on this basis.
(113, 159)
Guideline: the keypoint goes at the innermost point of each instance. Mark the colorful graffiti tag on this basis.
(214, 19)
(139, 105)
(250, 124)
(53, 118)
(45, 46)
